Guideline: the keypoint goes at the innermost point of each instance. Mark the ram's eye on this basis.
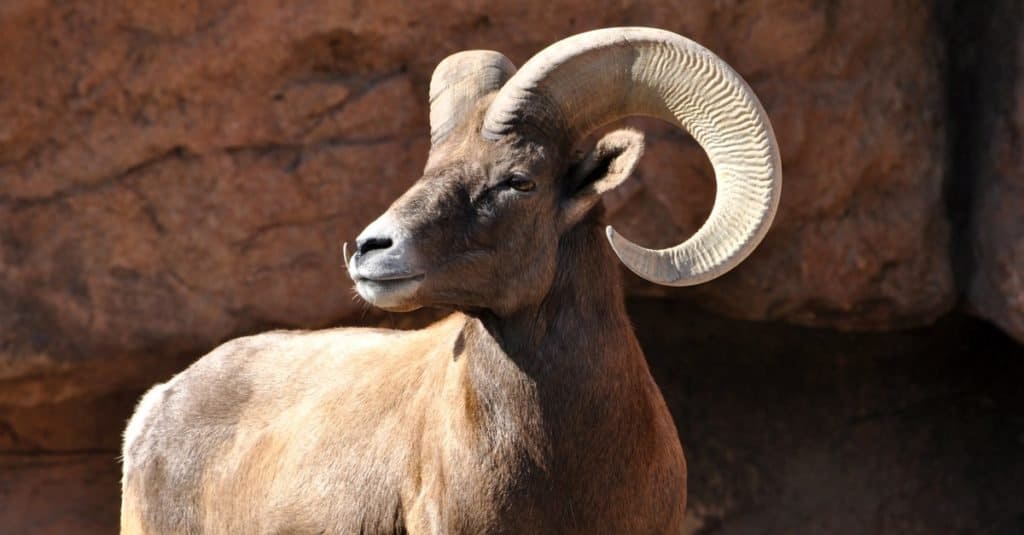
(521, 183)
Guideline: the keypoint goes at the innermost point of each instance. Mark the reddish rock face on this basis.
(177, 174)
(57, 494)
(174, 174)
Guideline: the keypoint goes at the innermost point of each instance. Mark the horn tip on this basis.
(613, 239)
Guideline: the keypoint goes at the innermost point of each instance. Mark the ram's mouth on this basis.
(389, 278)
(384, 286)
(394, 294)
(387, 284)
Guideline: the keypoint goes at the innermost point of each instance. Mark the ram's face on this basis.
(477, 231)
(481, 228)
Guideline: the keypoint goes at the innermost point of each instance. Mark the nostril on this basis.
(366, 245)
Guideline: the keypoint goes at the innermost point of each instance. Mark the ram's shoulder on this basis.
(274, 369)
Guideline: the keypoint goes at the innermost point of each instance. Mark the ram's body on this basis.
(531, 408)
(430, 431)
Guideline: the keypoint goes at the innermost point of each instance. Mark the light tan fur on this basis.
(529, 410)
(365, 431)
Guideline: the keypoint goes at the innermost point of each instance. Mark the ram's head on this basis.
(502, 185)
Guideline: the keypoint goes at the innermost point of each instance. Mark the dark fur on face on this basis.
(482, 225)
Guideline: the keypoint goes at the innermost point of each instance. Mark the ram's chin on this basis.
(391, 295)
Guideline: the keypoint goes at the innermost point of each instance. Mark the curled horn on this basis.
(583, 82)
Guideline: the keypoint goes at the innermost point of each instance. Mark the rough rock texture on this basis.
(177, 173)
(996, 286)
(174, 174)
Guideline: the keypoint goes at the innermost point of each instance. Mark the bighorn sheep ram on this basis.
(530, 409)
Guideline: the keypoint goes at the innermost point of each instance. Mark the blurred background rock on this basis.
(175, 173)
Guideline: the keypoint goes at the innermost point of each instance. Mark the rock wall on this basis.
(996, 224)
(174, 174)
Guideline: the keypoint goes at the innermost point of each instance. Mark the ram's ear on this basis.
(604, 168)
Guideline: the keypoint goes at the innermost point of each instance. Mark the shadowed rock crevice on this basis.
(982, 81)
(794, 430)
(987, 194)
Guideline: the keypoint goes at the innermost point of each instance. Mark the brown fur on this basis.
(528, 410)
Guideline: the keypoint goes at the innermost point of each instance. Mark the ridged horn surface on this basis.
(583, 82)
(458, 81)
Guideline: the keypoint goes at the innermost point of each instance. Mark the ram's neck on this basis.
(557, 388)
(576, 347)
(581, 320)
